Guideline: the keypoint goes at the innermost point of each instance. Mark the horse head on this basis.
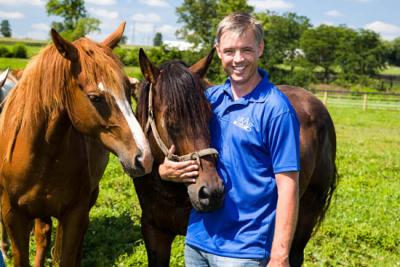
(98, 99)
(173, 104)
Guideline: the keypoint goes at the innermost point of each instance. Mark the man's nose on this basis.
(238, 56)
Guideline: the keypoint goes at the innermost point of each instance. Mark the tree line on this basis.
(296, 52)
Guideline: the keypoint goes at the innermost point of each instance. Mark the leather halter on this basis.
(152, 125)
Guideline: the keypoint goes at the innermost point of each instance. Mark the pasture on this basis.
(362, 227)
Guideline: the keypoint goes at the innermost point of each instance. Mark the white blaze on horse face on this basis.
(134, 125)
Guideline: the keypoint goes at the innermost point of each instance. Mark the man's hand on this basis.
(180, 172)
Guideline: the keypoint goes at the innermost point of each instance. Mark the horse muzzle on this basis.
(206, 198)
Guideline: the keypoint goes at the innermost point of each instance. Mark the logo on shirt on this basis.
(244, 123)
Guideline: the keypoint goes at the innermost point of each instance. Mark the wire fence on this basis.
(363, 100)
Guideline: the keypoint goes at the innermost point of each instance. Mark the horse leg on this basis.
(5, 242)
(43, 239)
(74, 226)
(18, 227)
(158, 245)
(56, 249)
(313, 205)
(308, 215)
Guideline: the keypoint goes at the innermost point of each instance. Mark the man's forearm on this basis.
(286, 216)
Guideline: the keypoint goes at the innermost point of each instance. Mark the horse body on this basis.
(58, 125)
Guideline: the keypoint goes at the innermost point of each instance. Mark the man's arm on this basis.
(286, 217)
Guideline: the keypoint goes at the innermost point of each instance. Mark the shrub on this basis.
(19, 51)
(5, 52)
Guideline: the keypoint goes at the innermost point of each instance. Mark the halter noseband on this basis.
(152, 125)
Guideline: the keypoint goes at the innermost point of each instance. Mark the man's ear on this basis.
(261, 48)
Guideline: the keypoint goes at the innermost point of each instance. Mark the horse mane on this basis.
(182, 93)
(47, 84)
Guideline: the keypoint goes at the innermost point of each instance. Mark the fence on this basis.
(364, 100)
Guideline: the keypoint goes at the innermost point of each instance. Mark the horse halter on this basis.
(151, 124)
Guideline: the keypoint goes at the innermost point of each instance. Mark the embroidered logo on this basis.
(244, 123)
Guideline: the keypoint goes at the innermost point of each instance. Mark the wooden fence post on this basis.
(325, 99)
(365, 103)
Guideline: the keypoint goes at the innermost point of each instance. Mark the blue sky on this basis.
(28, 18)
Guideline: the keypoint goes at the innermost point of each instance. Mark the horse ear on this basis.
(3, 77)
(66, 48)
(149, 71)
(201, 66)
(113, 39)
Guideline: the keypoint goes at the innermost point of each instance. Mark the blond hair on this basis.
(239, 23)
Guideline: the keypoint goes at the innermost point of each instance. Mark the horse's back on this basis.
(317, 132)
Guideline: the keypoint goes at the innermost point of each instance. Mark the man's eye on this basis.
(94, 98)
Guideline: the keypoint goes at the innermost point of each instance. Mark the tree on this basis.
(76, 21)
(158, 39)
(320, 46)
(5, 28)
(360, 52)
(200, 19)
(393, 52)
(282, 38)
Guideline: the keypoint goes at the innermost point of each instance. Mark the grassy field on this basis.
(362, 227)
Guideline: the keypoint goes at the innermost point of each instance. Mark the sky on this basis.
(28, 18)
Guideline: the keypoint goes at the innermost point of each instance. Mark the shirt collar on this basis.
(258, 94)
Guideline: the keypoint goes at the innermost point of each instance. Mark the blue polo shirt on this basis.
(256, 136)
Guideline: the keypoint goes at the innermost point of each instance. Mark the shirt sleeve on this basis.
(283, 141)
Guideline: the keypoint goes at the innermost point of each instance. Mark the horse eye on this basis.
(94, 98)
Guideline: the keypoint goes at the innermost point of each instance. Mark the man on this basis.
(256, 132)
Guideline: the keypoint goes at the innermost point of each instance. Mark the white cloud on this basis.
(38, 35)
(386, 30)
(103, 13)
(271, 4)
(11, 15)
(144, 27)
(41, 27)
(333, 13)
(22, 2)
(102, 2)
(154, 2)
(167, 30)
(148, 18)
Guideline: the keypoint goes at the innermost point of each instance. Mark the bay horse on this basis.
(166, 205)
(173, 109)
(68, 111)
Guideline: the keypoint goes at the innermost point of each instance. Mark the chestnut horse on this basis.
(70, 108)
(166, 205)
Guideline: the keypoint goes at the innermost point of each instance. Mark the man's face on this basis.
(239, 56)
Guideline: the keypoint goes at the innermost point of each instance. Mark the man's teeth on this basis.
(238, 68)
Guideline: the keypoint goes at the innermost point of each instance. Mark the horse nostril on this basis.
(204, 193)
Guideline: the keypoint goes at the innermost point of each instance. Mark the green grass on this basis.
(391, 70)
(13, 63)
(362, 226)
